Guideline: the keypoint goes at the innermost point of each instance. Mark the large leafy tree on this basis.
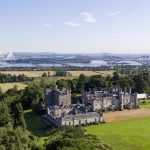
(33, 95)
(5, 116)
(19, 117)
(13, 139)
(73, 138)
(80, 83)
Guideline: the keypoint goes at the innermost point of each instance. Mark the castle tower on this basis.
(136, 100)
(10, 57)
(130, 91)
(131, 98)
(96, 105)
(121, 101)
(102, 104)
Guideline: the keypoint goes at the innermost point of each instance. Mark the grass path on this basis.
(124, 135)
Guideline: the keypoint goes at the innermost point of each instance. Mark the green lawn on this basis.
(124, 135)
(35, 124)
(145, 104)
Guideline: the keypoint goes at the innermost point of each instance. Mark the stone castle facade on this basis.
(60, 111)
(58, 97)
(112, 100)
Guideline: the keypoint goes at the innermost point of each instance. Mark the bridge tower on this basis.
(10, 57)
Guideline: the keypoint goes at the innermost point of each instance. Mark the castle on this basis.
(60, 111)
(111, 100)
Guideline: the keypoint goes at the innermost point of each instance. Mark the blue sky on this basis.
(78, 26)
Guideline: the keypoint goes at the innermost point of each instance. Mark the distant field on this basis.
(131, 134)
(6, 86)
(90, 73)
(74, 73)
(27, 73)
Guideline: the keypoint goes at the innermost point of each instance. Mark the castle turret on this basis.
(96, 105)
(121, 101)
(130, 91)
(136, 100)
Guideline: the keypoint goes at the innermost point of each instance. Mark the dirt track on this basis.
(126, 114)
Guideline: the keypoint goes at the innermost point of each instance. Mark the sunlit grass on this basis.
(124, 135)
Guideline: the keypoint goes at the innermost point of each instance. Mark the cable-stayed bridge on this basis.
(9, 57)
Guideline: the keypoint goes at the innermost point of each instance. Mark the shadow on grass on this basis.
(35, 124)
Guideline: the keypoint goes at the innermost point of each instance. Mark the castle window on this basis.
(79, 121)
(69, 123)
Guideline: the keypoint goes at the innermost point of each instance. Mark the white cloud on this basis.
(71, 24)
(47, 25)
(115, 13)
(88, 17)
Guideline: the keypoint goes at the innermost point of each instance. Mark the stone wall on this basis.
(56, 97)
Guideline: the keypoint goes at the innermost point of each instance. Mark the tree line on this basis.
(138, 83)
(4, 78)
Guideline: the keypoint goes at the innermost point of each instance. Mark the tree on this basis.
(61, 73)
(19, 117)
(1, 92)
(95, 82)
(13, 139)
(80, 83)
(62, 83)
(73, 138)
(115, 79)
(44, 74)
(49, 74)
(32, 94)
(140, 83)
(5, 116)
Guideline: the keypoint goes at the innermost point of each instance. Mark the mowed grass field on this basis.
(73, 73)
(6, 86)
(133, 134)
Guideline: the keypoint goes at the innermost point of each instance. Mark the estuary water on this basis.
(94, 63)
